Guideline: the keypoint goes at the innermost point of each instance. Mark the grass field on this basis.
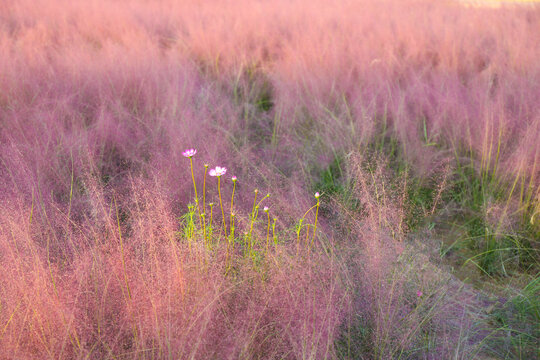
(269, 180)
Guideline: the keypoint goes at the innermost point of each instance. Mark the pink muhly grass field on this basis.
(98, 101)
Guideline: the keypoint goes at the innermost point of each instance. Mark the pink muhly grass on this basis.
(101, 106)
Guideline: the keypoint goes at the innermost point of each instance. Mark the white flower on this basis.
(218, 171)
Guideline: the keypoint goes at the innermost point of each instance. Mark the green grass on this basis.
(497, 248)
(516, 324)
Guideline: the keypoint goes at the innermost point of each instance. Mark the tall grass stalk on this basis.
(221, 206)
(195, 188)
(204, 188)
(234, 179)
(316, 218)
(252, 218)
(210, 223)
(266, 210)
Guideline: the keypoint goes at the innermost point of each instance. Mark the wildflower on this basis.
(218, 171)
(266, 209)
(419, 293)
(234, 179)
(189, 153)
(317, 195)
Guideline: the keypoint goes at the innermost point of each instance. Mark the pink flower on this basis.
(218, 171)
(189, 153)
(266, 209)
(234, 178)
(419, 293)
(317, 195)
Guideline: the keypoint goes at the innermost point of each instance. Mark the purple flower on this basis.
(189, 153)
(218, 171)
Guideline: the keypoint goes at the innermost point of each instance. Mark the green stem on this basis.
(204, 188)
(203, 215)
(274, 232)
(232, 231)
(221, 205)
(211, 217)
(268, 231)
(195, 187)
(299, 228)
(315, 226)
(232, 203)
(252, 216)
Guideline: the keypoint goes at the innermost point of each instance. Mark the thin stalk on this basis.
(204, 205)
(255, 212)
(298, 229)
(231, 220)
(211, 217)
(245, 241)
(195, 188)
(252, 216)
(267, 230)
(274, 232)
(204, 188)
(315, 226)
(203, 215)
(221, 205)
(259, 203)
(232, 228)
